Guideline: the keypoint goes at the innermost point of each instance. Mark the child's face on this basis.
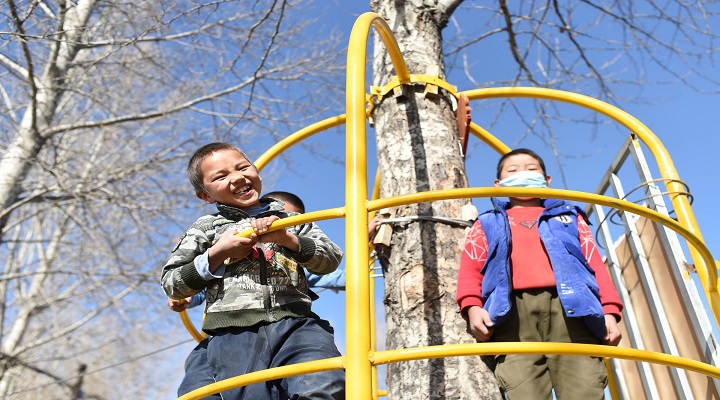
(230, 179)
(517, 163)
(289, 207)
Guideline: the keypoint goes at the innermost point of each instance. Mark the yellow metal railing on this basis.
(361, 356)
(265, 375)
(198, 336)
(575, 349)
(296, 137)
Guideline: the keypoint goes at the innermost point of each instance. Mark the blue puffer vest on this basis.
(576, 284)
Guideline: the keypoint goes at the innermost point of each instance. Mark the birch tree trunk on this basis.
(46, 91)
(418, 150)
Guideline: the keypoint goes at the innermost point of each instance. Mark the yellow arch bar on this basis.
(357, 320)
(296, 137)
(489, 139)
(327, 364)
(185, 318)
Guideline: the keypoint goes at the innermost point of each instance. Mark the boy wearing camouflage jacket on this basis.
(257, 305)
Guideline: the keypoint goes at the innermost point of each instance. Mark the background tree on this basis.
(602, 49)
(418, 152)
(101, 103)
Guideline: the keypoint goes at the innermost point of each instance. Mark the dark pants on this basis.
(197, 371)
(239, 351)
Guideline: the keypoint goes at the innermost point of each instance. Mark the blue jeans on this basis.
(238, 351)
(197, 371)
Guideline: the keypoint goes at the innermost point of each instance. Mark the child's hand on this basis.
(613, 335)
(281, 236)
(481, 325)
(179, 305)
(373, 226)
(261, 225)
(230, 246)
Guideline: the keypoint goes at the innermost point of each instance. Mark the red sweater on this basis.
(529, 263)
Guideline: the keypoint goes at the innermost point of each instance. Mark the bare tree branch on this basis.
(566, 28)
(513, 43)
(29, 69)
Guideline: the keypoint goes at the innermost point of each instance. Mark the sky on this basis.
(684, 120)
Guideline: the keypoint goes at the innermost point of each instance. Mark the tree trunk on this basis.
(28, 142)
(418, 151)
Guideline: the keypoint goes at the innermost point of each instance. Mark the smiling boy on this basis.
(257, 305)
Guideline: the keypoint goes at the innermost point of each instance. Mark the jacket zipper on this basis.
(264, 283)
(508, 270)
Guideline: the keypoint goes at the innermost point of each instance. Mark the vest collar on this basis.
(547, 204)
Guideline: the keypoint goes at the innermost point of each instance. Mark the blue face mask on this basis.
(532, 179)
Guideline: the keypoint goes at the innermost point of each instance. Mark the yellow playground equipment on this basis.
(669, 350)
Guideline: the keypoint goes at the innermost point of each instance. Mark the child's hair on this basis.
(193, 168)
(529, 152)
(287, 197)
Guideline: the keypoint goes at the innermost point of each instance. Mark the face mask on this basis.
(531, 179)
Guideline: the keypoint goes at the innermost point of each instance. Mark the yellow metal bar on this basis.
(296, 137)
(328, 364)
(612, 382)
(373, 334)
(362, 357)
(488, 138)
(371, 290)
(185, 318)
(358, 371)
(707, 269)
(313, 216)
(572, 349)
(358, 368)
(613, 202)
(375, 194)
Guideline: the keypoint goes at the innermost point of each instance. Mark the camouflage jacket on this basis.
(266, 286)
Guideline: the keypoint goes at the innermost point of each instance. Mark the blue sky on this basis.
(683, 119)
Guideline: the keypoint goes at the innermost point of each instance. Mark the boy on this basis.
(530, 272)
(335, 280)
(197, 371)
(257, 305)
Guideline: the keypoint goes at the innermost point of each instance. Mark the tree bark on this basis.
(418, 150)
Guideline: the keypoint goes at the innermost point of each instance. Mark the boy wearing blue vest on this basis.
(258, 305)
(531, 272)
